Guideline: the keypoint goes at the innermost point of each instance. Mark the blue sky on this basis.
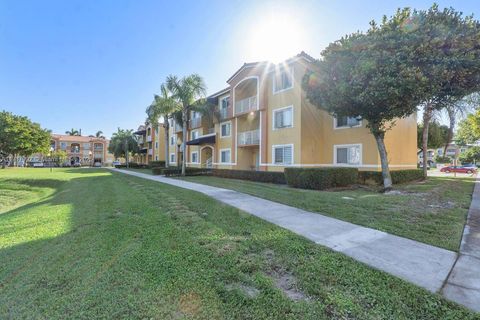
(95, 64)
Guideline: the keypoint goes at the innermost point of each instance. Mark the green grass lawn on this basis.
(432, 211)
(91, 243)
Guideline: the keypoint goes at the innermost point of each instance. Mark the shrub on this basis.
(157, 164)
(259, 176)
(321, 178)
(398, 176)
(177, 171)
(440, 159)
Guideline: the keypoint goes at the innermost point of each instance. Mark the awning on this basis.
(140, 132)
(209, 138)
(142, 151)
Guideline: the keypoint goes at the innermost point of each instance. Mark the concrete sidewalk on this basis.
(424, 265)
(463, 283)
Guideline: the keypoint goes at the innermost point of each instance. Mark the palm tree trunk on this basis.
(167, 140)
(387, 179)
(184, 139)
(427, 116)
(451, 118)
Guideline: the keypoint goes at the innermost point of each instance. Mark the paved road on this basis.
(424, 265)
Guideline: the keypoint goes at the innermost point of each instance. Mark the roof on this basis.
(69, 138)
(219, 93)
(301, 55)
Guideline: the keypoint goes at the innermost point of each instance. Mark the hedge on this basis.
(398, 176)
(321, 178)
(258, 176)
(133, 165)
(157, 164)
(176, 171)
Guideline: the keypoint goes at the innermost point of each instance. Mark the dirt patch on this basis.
(283, 279)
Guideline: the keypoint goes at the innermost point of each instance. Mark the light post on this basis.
(50, 156)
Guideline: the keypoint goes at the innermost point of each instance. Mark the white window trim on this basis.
(286, 69)
(191, 134)
(278, 110)
(221, 100)
(336, 127)
(283, 146)
(191, 157)
(221, 124)
(336, 146)
(174, 136)
(174, 157)
(220, 156)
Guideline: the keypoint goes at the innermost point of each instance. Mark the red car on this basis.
(459, 169)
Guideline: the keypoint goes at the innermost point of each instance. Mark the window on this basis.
(63, 145)
(225, 129)
(156, 144)
(225, 156)
(282, 80)
(283, 118)
(156, 158)
(172, 157)
(194, 135)
(75, 148)
(194, 157)
(346, 122)
(86, 146)
(225, 102)
(350, 154)
(172, 140)
(283, 154)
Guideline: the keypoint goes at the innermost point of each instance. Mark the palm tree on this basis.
(123, 143)
(189, 92)
(72, 132)
(164, 106)
(99, 134)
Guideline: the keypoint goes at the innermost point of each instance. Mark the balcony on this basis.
(248, 138)
(177, 127)
(149, 138)
(246, 105)
(150, 152)
(225, 113)
(195, 122)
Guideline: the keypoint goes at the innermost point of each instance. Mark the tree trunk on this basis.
(184, 139)
(427, 116)
(451, 127)
(387, 179)
(167, 138)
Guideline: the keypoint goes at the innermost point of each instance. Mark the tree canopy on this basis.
(469, 129)
(121, 141)
(20, 136)
(437, 135)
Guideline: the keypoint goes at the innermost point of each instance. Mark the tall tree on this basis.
(72, 132)
(469, 129)
(19, 136)
(448, 55)
(123, 143)
(437, 136)
(99, 134)
(369, 76)
(163, 105)
(189, 92)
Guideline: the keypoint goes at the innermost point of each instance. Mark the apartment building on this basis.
(263, 121)
(83, 150)
(150, 143)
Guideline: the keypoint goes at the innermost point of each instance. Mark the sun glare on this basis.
(276, 36)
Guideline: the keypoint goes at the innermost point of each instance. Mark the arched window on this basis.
(75, 148)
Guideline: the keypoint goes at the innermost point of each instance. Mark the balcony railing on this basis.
(225, 113)
(149, 138)
(178, 127)
(150, 152)
(246, 105)
(249, 137)
(210, 130)
(195, 122)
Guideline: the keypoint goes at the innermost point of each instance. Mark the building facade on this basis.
(82, 150)
(263, 121)
(151, 143)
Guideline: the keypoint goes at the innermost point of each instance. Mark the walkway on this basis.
(424, 265)
(463, 283)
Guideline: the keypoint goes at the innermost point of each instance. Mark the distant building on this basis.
(82, 150)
